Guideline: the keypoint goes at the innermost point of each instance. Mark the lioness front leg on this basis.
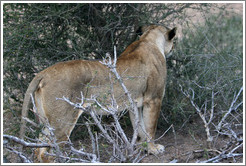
(141, 127)
(151, 113)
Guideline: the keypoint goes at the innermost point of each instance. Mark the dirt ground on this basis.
(197, 18)
(183, 144)
(189, 145)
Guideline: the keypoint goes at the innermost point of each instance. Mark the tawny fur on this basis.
(143, 68)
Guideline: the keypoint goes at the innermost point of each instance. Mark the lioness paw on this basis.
(155, 149)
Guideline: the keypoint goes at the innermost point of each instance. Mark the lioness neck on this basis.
(156, 37)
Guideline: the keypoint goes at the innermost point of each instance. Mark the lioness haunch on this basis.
(143, 61)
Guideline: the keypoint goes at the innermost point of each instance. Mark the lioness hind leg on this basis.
(59, 135)
(40, 155)
(58, 125)
(151, 113)
(40, 152)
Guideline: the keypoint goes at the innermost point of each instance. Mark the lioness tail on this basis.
(26, 103)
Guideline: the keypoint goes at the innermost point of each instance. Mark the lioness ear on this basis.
(143, 29)
(139, 31)
(171, 33)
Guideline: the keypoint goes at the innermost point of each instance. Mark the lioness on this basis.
(143, 68)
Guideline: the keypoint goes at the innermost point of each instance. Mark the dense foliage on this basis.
(39, 35)
(209, 58)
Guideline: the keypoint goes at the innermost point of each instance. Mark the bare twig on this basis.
(68, 158)
(31, 122)
(165, 132)
(92, 138)
(89, 155)
(220, 157)
(201, 114)
(23, 157)
(230, 109)
(118, 137)
(112, 67)
(27, 144)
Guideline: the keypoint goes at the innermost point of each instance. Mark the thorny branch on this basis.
(120, 135)
(27, 144)
(199, 111)
(232, 107)
(48, 132)
(225, 152)
(20, 154)
(112, 67)
(224, 155)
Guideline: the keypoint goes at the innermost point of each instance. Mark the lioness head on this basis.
(168, 33)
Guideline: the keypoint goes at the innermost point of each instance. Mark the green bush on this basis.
(208, 58)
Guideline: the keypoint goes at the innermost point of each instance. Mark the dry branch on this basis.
(112, 67)
(117, 138)
(20, 154)
(232, 107)
(202, 114)
(27, 144)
